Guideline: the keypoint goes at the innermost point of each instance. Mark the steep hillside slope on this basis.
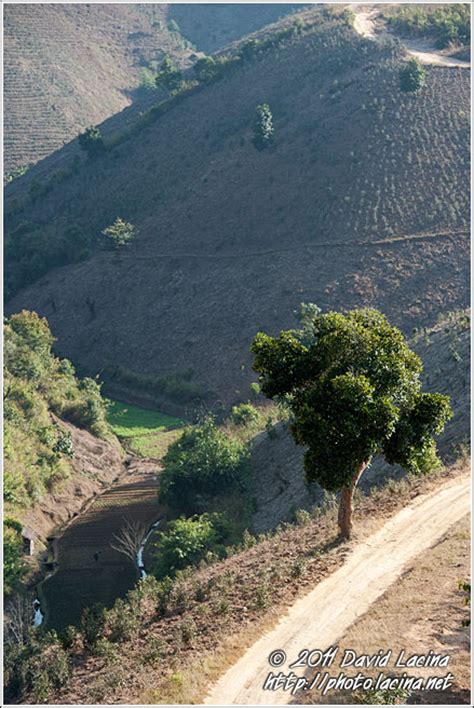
(67, 66)
(58, 449)
(277, 463)
(361, 200)
(70, 65)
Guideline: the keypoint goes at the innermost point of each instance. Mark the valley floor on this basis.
(82, 580)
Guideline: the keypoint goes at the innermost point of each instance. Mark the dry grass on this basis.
(422, 611)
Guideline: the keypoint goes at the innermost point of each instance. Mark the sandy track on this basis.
(365, 25)
(320, 618)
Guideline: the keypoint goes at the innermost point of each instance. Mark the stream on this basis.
(140, 564)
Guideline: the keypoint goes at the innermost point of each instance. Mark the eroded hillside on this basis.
(67, 66)
(361, 200)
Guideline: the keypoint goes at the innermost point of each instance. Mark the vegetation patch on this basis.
(446, 24)
(146, 432)
(38, 451)
(128, 421)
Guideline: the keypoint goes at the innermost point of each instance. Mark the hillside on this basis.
(71, 65)
(67, 66)
(361, 200)
(58, 449)
(211, 27)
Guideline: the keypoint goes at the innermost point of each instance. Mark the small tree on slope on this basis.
(263, 127)
(412, 76)
(354, 392)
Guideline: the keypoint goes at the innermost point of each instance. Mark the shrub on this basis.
(244, 414)
(92, 624)
(34, 670)
(68, 636)
(122, 623)
(106, 650)
(119, 234)
(63, 444)
(202, 464)
(263, 127)
(91, 141)
(412, 77)
(254, 389)
(147, 80)
(169, 75)
(14, 567)
(154, 651)
(186, 542)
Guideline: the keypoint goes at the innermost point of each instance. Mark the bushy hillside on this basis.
(362, 199)
(39, 391)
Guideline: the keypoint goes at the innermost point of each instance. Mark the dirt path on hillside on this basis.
(301, 247)
(319, 619)
(366, 25)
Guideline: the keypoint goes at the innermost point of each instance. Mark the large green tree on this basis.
(354, 390)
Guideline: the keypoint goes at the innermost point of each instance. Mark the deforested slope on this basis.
(67, 66)
(361, 200)
(212, 26)
(70, 65)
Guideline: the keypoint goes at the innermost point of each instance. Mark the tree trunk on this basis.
(344, 519)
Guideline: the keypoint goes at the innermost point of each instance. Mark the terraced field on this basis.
(67, 66)
(80, 580)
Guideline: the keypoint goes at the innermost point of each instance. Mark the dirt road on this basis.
(319, 619)
(366, 25)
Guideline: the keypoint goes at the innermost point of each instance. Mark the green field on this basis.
(146, 432)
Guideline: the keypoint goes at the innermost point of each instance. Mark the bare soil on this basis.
(423, 611)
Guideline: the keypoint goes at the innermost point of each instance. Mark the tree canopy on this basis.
(354, 392)
(169, 75)
(412, 76)
(119, 234)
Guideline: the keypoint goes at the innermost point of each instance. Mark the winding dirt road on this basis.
(320, 619)
(366, 25)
